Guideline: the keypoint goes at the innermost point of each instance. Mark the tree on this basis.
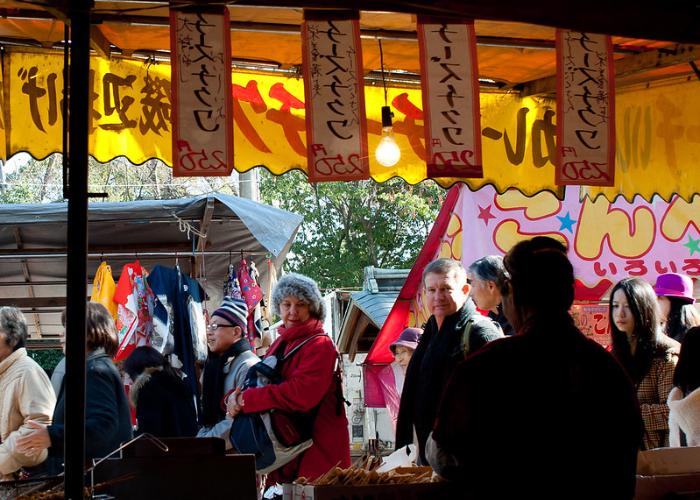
(41, 181)
(350, 225)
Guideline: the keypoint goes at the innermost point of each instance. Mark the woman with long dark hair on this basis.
(684, 400)
(675, 295)
(648, 356)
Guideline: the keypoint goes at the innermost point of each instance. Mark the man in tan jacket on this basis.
(25, 393)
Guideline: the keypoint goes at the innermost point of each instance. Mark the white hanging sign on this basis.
(450, 97)
(202, 117)
(585, 109)
(336, 126)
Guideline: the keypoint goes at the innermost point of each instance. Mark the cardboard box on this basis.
(662, 487)
(666, 461)
(410, 491)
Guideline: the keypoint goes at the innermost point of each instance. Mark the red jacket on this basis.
(309, 379)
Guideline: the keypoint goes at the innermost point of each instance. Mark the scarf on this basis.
(309, 327)
(213, 382)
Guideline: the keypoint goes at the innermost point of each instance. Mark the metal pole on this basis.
(76, 290)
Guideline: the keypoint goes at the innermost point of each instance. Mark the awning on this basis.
(202, 234)
(656, 98)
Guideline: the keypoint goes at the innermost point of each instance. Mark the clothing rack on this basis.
(24, 254)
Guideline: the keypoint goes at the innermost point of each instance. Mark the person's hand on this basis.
(35, 441)
(234, 405)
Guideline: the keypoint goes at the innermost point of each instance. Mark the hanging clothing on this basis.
(232, 287)
(252, 294)
(135, 302)
(103, 288)
(268, 286)
(178, 316)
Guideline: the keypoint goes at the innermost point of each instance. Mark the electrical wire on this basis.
(381, 63)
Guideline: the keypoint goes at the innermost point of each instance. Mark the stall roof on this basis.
(515, 40)
(219, 229)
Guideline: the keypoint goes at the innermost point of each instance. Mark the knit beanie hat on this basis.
(303, 288)
(233, 310)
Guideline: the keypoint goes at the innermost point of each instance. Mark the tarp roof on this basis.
(33, 245)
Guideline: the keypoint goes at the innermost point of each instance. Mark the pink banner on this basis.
(202, 118)
(336, 126)
(606, 241)
(585, 109)
(450, 97)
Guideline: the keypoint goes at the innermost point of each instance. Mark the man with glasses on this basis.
(454, 329)
(230, 357)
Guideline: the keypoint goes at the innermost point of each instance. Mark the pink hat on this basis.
(675, 285)
(408, 338)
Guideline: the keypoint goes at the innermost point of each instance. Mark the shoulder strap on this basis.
(300, 345)
(466, 334)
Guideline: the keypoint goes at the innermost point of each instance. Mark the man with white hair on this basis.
(454, 329)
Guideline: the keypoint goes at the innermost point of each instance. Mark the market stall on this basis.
(657, 131)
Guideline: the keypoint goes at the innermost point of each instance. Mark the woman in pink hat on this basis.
(678, 314)
(391, 378)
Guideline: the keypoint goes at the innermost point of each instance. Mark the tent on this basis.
(202, 235)
(656, 86)
(525, 51)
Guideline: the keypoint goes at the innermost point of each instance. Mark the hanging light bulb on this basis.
(387, 152)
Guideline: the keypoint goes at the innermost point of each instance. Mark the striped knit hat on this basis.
(233, 310)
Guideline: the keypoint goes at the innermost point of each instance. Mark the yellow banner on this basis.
(658, 129)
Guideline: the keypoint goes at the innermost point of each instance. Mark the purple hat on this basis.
(408, 338)
(675, 285)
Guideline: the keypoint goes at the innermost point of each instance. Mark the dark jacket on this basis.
(164, 405)
(431, 366)
(546, 413)
(107, 418)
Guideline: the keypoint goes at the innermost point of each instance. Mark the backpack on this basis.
(274, 436)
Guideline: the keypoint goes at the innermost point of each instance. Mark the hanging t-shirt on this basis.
(103, 288)
(134, 300)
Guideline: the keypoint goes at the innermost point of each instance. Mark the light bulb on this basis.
(387, 152)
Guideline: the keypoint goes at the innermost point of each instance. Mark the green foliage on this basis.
(42, 182)
(350, 225)
(46, 358)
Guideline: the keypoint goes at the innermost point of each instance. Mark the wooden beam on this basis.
(27, 277)
(359, 330)
(673, 21)
(29, 302)
(99, 42)
(627, 66)
(202, 240)
(139, 247)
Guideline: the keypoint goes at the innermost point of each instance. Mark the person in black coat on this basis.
(164, 403)
(545, 413)
(454, 329)
(107, 416)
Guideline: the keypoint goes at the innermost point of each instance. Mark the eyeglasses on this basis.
(215, 326)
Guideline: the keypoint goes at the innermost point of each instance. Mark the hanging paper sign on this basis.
(336, 127)
(585, 109)
(202, 118)
(593, 321)
(450, 98)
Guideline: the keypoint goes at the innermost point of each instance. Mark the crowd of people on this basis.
(500, 373)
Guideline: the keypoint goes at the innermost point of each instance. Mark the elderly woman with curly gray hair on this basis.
(310, 380)
(25, 394)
